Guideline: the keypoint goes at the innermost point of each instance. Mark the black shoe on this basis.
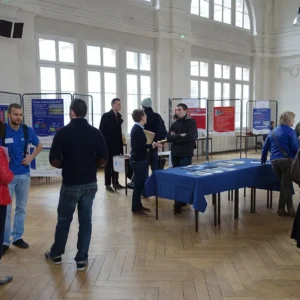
(4, 249)
(5, 280)
(56, 260)
(120, 187)
(81, 265)
(130, 185)
(177, 208)
(282, 213)
(21, 244)
(110, 189)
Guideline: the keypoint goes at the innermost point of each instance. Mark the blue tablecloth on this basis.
(176, 184)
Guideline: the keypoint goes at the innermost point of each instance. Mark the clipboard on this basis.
(149, 136)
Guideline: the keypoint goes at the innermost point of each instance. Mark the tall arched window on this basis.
(234, 12)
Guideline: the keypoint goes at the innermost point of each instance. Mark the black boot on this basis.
(177, 208)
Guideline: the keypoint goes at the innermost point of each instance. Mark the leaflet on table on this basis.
(236, 162)
(199, 173)
(194, 168)
(224, 164)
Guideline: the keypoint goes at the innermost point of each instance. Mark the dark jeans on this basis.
(181, 161)
(71, 196)
(296, 227)
(110, 175)
(153, 160)
(281, 167)
(3, 209)
(141, 173)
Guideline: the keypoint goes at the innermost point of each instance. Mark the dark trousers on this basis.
(181, 161)
(296, 227)
(110, 175)
(153, 160)
(81, 196)
(141, 173)
(3, 209)
(281, 167)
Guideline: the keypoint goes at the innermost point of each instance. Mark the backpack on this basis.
(25, 132)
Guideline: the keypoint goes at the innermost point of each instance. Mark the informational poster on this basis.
(3, 113)
(224, 120)
(40, 166)
(262, 104)
(261, 120)
(47, 116)
(199, 114)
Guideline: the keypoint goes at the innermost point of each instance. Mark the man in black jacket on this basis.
(155, 124)
(111, 128)
(183, 134)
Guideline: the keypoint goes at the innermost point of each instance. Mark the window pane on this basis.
(194, 89)
(227, 3)
(108, 98)
(132, 84)
(245, 8)
(218, 90)
(246, 22)
(132, 103)
(203, 69)
(227, 15)
(246, 92)
(239, 5)
(226, 90)
(67, 79)
(226, 72)
(145, 62)
(220, 2)
(48, 79)
(218, 71)
(94, 82)
(218, 13)
(130, 123)
(195, 7)
(145, 85)
(109, 57)
(204, 8)
(66, 52)
(246, 74)
(194, 68)
(47, 50)
(131, 60)
(239, 19)
(93, 56)
(238, 91)
(110, 89)
(96, 103)
(238, 73)
(203, 89)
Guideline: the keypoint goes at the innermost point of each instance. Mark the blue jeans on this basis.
(19, 187)
(141, 173)
(83, 197)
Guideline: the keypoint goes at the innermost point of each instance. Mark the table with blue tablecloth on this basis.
(181, 185)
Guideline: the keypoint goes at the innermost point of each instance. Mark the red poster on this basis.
(199, 114)
(224, 119)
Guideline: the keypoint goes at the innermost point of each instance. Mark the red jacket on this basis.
(6, 176)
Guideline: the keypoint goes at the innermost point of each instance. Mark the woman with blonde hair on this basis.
(6, 176)
(283, 144)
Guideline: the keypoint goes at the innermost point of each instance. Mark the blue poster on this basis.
(3, 113)
(261, 120)
(47, 116)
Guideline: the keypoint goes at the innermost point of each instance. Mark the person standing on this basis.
(154, 124)
(111, 128)
(17, 137)
(77, 149)
(139, 160)
(182, 135)
(6, 176)
(283, 144)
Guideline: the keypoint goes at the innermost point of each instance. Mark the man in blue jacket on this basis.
(283, 144)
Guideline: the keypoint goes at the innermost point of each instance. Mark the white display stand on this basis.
(168, 155)
(119, 163)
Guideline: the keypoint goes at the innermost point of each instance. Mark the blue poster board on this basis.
(261, 120)
(3, 113)
(47, 116)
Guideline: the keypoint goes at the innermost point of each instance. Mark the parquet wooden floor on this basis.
(136, 258)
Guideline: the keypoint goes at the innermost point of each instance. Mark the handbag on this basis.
(294, 168)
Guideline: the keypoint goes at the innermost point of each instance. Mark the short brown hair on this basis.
(184, 106)
(13, 105)
(137, 115)
(113, 101)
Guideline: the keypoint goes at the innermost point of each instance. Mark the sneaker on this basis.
(56, 260)
(145, 209)
(120, 187)
(21, 244)
(5, 279)
(81, 265)
(110, 189)
(4, 249)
